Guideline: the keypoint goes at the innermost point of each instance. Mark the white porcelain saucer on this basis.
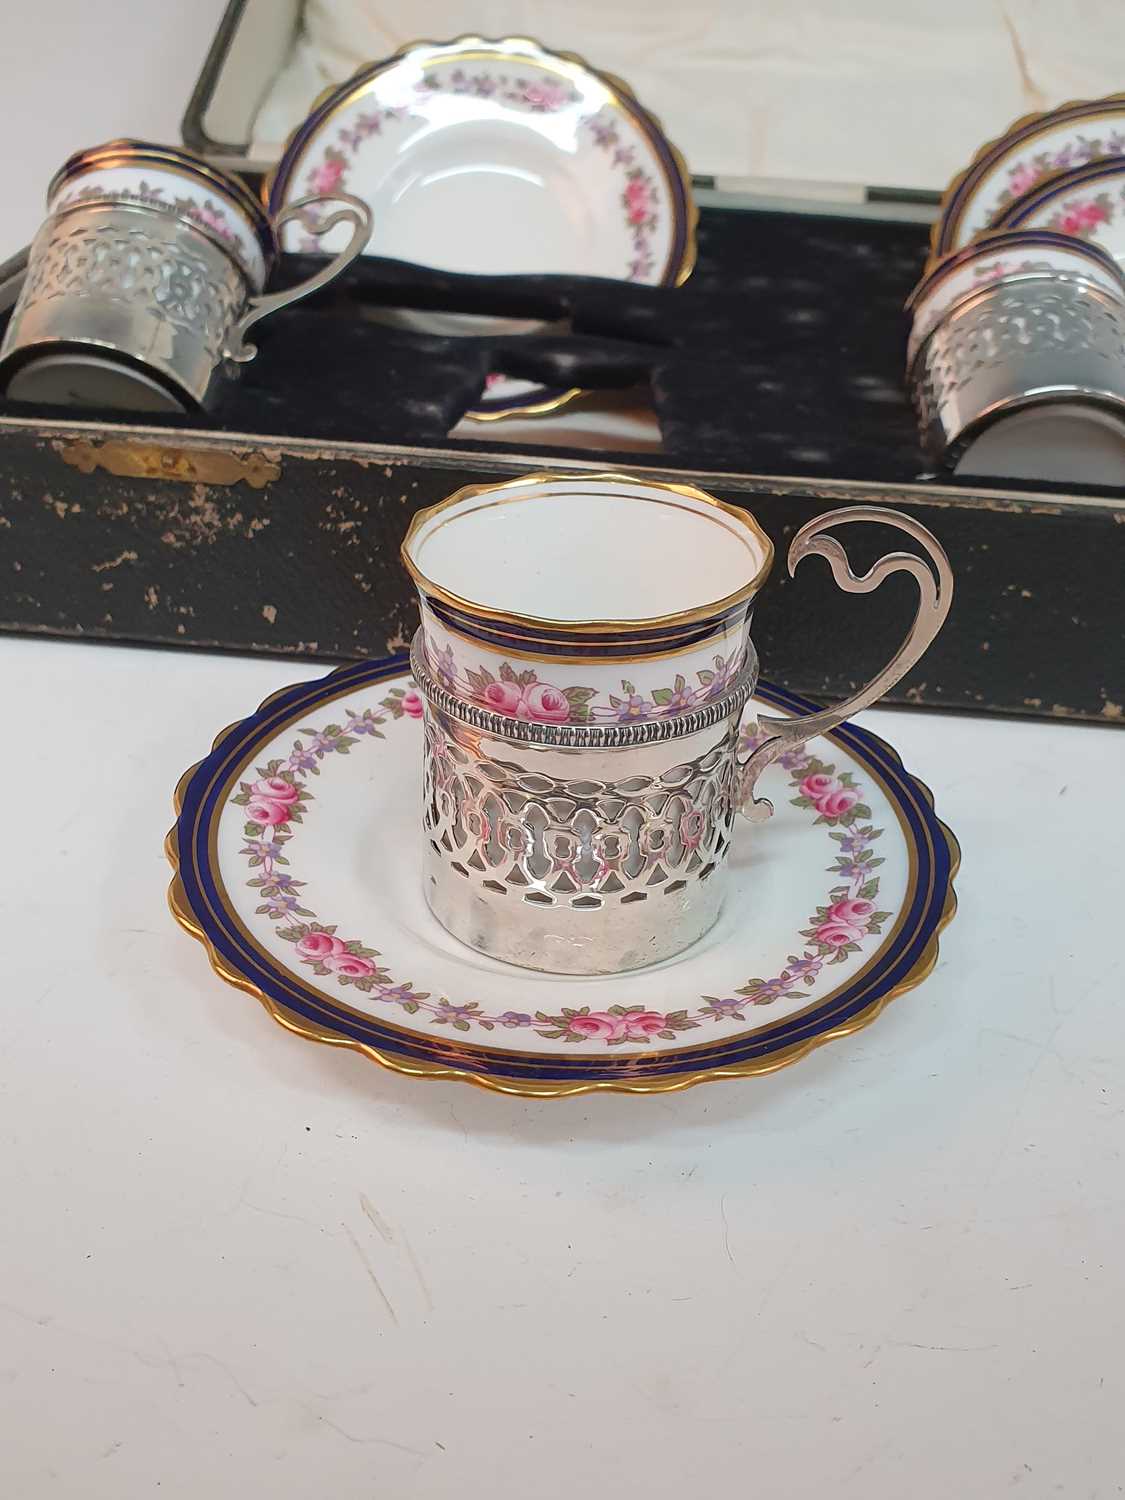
(297, 852)
(498, 157)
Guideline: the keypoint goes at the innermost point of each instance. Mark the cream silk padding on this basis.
(889, 92)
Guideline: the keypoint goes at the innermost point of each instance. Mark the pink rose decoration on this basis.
(1022, 178)
(412, 704)
(814, 787)
(213, 220)
(349, 964)
(854, 912)
(326, 177)
(503, 697)
(832, 804)
(836, 934)
(320, 945)
(275, 789)
(266, 810)
(545, 95)
(597, 1024)
(637, 201)
(1080, 217)
(546, 704)
(643, 1023)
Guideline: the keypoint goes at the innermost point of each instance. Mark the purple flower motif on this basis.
(803, 968)
(794, 760)
(397, 994)
(514, 1018)
(285, 882)
(281, 906)
(632, 706)
(854, 870)
(259, 849)
(445, 1010)
(681, 699)
(322, 744)
(769, 990)
(365, 725)
(443, 665)
(301, 760)
(853, 843)
(1115, 146)
(720, 1009)
(1085, 152)
(749, 738)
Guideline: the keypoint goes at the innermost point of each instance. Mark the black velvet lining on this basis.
(783, 353)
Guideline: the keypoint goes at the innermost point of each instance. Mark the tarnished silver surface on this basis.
(151, 290)
(597, 848)
(133, 282)
(1018, 342)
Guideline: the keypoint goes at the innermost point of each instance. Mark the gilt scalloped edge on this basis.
(922, 968)
(937, 229)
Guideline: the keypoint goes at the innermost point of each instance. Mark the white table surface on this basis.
(236, 1264)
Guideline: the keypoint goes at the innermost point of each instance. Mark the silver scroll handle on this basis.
(935, 597)
(352, 211)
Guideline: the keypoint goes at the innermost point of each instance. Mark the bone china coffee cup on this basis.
(146, 275)
(585, 657)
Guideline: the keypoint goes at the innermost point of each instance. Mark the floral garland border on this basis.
(278, 800)
(1028, 173)
(640, 195)
(208, 214)
(522, 693)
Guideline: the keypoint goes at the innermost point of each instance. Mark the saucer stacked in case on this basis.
(1022, 303)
